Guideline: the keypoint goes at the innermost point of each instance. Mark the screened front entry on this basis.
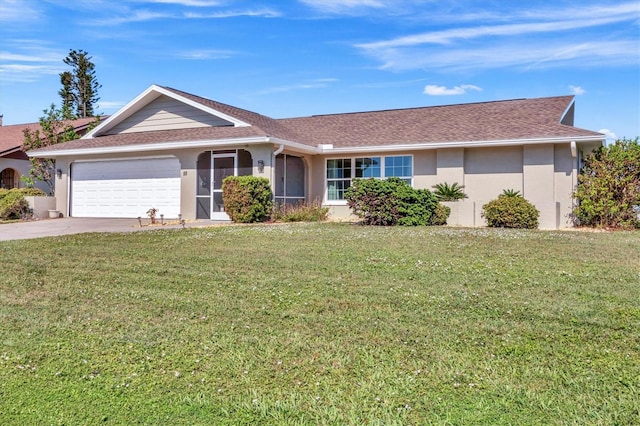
(290, 179)
(213, 167)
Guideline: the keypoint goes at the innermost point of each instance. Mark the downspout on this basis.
(273, 168)
(574, 173)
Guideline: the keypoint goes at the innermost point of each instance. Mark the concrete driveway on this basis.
(73, 225)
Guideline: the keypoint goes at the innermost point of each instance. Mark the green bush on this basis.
(390, 202)
(247, 198)
(13, 205)
(440, 215)
(300, 212)
(608, 191)
(510, 212)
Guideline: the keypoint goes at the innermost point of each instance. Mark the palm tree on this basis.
(446, 192)
(510, 193)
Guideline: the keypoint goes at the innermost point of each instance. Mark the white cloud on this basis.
(590, 17)
(192, 3)
(609, 134)
(18, 12)
(577, 90)
(539, 40)
(256, 13)
(344, 6)
(207, 54)
(132, 16)
(526, 54)
(434, 90)
(26, 60)
(147, 15)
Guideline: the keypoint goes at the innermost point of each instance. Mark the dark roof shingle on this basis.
(12, 136)
(511, 120)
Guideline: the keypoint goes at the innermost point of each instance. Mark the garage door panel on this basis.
(126, 188)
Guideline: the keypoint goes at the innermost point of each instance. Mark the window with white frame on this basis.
(341, 171)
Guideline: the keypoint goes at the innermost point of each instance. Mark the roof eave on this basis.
(11, 150)
(169, 146)
(165, 146)
(328, 149)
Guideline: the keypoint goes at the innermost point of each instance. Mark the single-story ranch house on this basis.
(171, 150)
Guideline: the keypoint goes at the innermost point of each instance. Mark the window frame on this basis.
(353, 159)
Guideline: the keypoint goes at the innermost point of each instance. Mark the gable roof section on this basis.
(540, 120)
(147, 97)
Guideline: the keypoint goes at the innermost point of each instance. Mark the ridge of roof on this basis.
(463, 104)
(270, 126)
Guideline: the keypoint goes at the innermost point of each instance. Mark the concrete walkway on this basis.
(72, 225)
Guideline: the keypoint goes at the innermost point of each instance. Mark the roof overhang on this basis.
(172, 146)
(10, 150)
(329, 149)
(304, 149)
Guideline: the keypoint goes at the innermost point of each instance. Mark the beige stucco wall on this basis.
(22, 167)
(545, 174)
(188, 174)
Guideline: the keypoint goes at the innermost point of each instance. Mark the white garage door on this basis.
(125, 188)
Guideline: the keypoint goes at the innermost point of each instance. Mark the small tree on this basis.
(608, 192)
(55, 128)
(79, 91)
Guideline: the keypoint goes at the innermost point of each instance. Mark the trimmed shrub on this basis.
(300, 212)
(13, 205)
(247, 198)
(440, 215)
(390, 202)
(510, 212)
(373, 201)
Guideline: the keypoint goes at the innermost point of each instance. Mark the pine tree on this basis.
(79, 91)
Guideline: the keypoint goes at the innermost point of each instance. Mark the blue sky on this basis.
(294, 58)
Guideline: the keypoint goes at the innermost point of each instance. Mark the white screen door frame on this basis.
(222, 165)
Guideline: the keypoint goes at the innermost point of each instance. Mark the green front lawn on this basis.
(321, 324)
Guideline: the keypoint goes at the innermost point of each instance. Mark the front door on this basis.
(223, 165)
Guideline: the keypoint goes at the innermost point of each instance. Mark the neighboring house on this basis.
(14, 162)
(171, 150)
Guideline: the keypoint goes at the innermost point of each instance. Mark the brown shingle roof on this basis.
(12, 136)
(511, 120)
(487, 121)
(162, 136)
(265, 126)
